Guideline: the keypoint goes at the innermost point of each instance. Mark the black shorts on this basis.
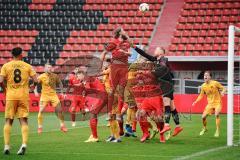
(169, 95)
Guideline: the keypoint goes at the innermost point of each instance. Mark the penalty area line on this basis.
(201, 153)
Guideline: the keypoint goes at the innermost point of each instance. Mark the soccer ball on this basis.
(143, 7)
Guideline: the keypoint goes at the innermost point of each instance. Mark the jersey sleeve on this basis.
(110, 46)
(40, 78)
(32, 72)
(106, 71)
(58, 79)
(3, 71)
(219, 86)
(200, 95)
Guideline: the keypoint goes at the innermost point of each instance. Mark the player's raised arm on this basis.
(102, 57)
(144, 54)
(221, 88)
(199, 97)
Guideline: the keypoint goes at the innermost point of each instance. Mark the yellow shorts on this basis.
(131, 115)
(17, 108)
(211, 108)
(53, 100)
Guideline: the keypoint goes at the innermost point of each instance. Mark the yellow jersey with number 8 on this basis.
(17, 74)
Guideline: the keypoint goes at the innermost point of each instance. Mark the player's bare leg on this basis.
(61, 118)
(175, 116)
(120, 106)
(40, 118)
(204, 121)
(93, 126)
(217, 124)
(73, 117)
(7, 133)
(167, 106)
(144, 124)
(25, 131)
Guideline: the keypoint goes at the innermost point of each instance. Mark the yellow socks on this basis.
(153, 124)
(6, 133)
(115, 129)
(218, 123)
(25, 131)
(40, 120)
(204, 120)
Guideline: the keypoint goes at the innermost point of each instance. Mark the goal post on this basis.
(230, 103)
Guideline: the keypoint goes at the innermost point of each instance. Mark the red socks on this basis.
(93, 125)
(73, 117)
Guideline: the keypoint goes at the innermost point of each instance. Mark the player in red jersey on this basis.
(119, 49)
(73, 80)
(78, 95)
(95, 100)
(152, 104)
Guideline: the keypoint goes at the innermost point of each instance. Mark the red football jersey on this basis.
(114, 46)
(72, 83)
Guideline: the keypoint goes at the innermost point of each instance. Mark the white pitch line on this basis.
(105, 154)
(197, 154)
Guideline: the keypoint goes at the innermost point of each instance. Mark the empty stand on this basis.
(204, 24)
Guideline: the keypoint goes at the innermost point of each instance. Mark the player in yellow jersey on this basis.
(16, 73)
(49, 82)
(113, 123)
(214, 92)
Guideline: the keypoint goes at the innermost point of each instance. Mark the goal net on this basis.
(233, 111)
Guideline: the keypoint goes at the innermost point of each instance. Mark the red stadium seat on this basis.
(82, 33)
(200, 40)
(181, 47)
(198, 47)
(194, 33)
(172, 47)
(180, 26)
(139, 34)
(186, 33)
(209, 40)
(175, 40)
(145, 41)
(218, 40)
(222, 53)
(189, 26)
(207, 47)
(203, 33)
(224, 47)
(99, 33)
(177, 33)
(67, 47)
(147, 33)
(22, 40)
(217, 12)
(189, 47)
(74, 33)
(216, 47)
(192, 40)
(199, 19)
(211, 33)
(184, 40)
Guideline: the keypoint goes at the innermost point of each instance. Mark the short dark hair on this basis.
(164, 51)
(108, 60)
(80, 72)
(116, 32)
(16, 51)
(209, 72)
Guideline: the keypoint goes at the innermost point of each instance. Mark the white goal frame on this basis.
(230, 102)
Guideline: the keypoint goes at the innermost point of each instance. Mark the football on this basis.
(143, 7)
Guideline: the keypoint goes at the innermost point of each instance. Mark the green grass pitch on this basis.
(55, 145)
